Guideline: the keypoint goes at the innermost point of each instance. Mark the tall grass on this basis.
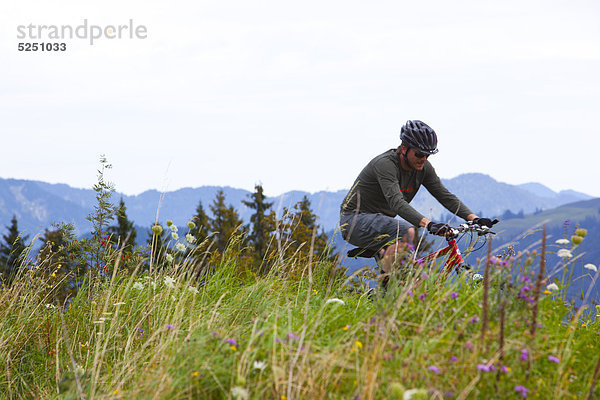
(217, 330)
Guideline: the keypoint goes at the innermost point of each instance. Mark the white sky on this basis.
(301, 95)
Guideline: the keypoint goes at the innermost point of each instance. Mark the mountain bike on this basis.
(454, 260)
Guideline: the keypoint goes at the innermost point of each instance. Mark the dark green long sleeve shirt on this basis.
(384, 187)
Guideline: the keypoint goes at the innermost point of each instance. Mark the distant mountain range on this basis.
(37, 204)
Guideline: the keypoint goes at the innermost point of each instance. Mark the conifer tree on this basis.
(225, 221)
(200, 231)
(124, 230)
(298, 228)
(262, 221)
(11, 251)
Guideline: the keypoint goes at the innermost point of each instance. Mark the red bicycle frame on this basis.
(454, 257)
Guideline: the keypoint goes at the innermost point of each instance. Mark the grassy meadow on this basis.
(210, 327)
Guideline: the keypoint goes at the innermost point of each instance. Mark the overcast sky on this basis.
(301, 95)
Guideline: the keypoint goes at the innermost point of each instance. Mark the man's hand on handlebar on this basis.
(436, 228)
(485, 222)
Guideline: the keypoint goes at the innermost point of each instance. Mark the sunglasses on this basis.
(418, 154)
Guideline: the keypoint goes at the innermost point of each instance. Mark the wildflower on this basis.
(191, 225)
(190, 238)
(547, 292)
(591, 267)
(180, 247)
(174, 235)
(50, 306)
(292, 336)
(116, 391)
(453, 295)
(397, 390)
(169, 258)
(475, 319)
(581, 232)
(552, 287)
(157, 229)
(564, 253)
(422, 296)
(484, 367)
(576, 239)
(562, 241)
(238, 392)
(233, 348)
(260, 365)
(522, 389)
(477, 277)
(505, 369)
(409, 292)
(195, 373)
(169, 326)
(192, 289)
(554, 359)
(335, 301)
(283, 397)
(169, 222)
(173, 228)
(346, 327)
(357, 346)
(416, 394)
(435, 369)
(315, 291)
(524, 354)
(454, 359)
(231, 341)
(169, 282)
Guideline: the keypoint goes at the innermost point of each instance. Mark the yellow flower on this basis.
(547, 292)
(53, 275)
(195, 373)
(283, 397)
(345, 328)
(233, 348)
(315, 291)
(357, 346)
(116, 391)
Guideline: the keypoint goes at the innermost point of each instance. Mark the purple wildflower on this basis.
(372, 321)
(292, 336)
(169, 326)
(278, 340)
(504, 369)
(522, 389)
(409, 292)
(553, 359)
(525, 289)
(232, 342)
(469, 346)
(454, 295)
(435, 369)
(419, 261)
(524, 354)
(424, 275)
(454, 359)
(526, 279)
(422, 296)
(475, 319)
(483, 367)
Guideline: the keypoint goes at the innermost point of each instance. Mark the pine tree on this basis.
(298, 228)
(200, 231)
(124, 230)
(11, 251)
(55, 260)
(263, 222)
(225, 221)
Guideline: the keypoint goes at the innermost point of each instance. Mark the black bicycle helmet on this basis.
(420, 136)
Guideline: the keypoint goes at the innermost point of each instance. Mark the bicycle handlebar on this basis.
(469, 226)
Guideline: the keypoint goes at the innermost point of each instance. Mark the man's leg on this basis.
(393, 252)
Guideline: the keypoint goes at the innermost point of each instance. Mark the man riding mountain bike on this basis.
(384, 189)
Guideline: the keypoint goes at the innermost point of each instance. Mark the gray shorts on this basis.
(372, 231)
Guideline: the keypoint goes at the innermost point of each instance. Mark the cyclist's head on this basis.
(418, 135)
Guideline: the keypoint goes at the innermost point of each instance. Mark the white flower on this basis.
(169, 282)
(564, 253)
(552, 287)
(562, 241)
(239, 393)
(180, 246)
(119, 303)
(153, 284)
(414, 394)
(193, 289)
(591, 267)
(336, 301)
(190, 238)
(169, 258)
(173, 228)
(138, 285)
(260, 365)
(174, 235)
(50, 306)
(477, 277)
